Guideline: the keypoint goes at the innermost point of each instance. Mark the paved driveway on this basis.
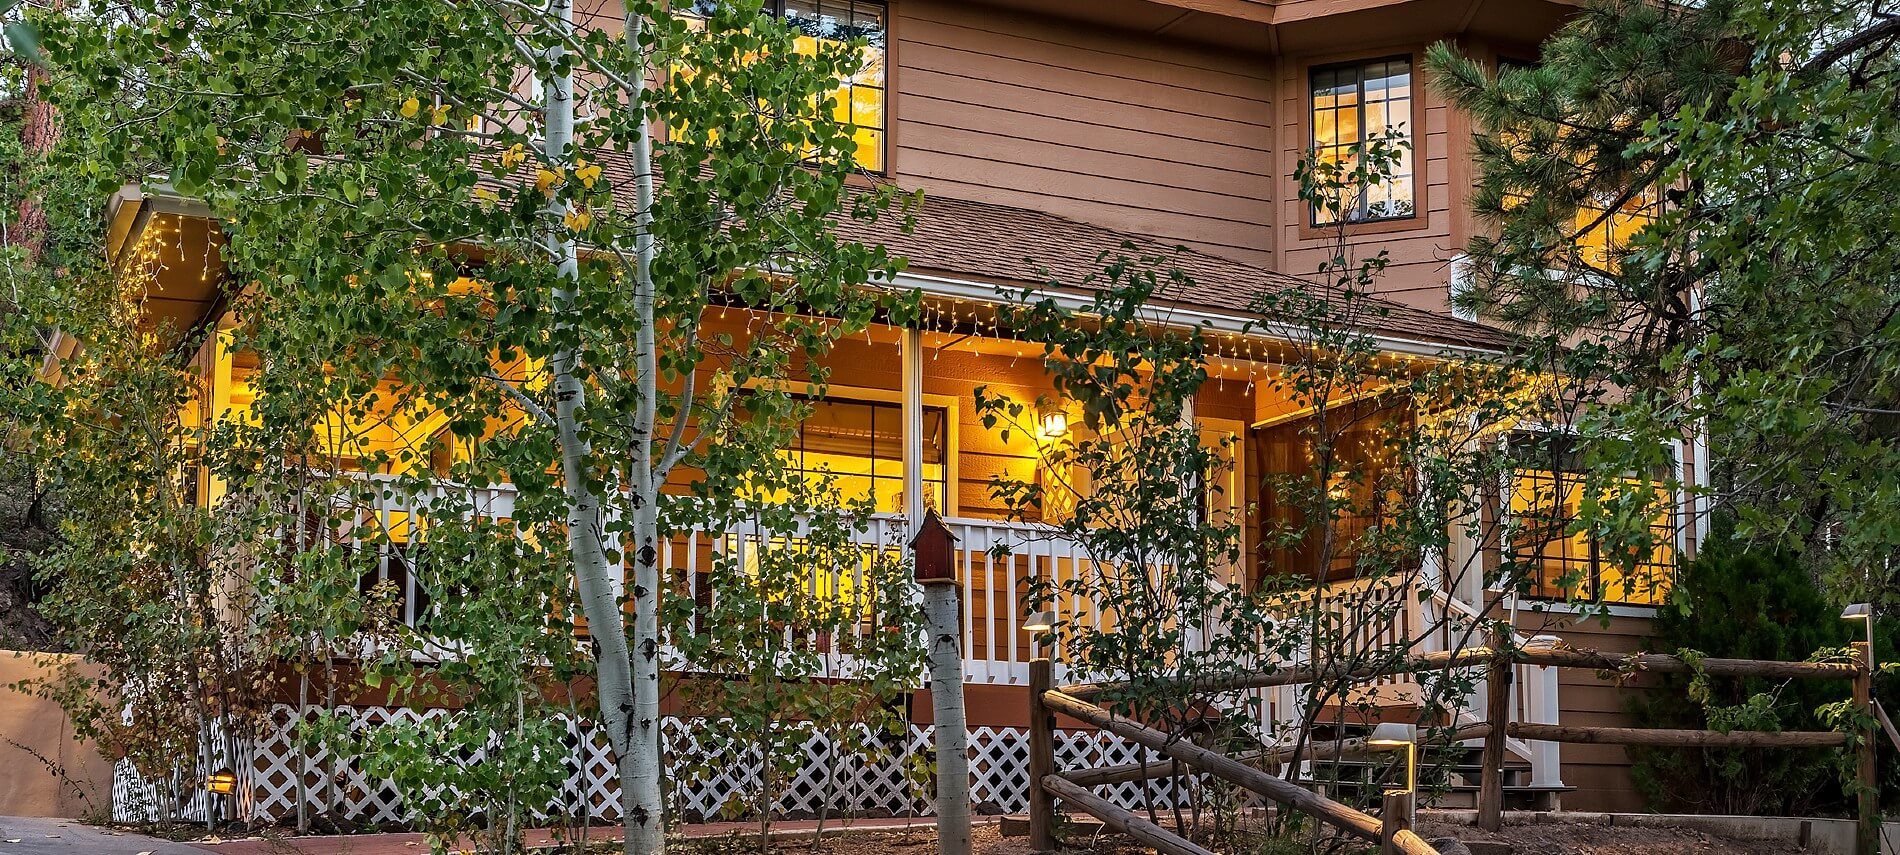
(20, 835)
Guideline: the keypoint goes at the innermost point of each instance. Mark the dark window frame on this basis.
(1554, 483)
(880, 11)
(1359, 68)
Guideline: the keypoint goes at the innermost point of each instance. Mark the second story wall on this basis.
(1134, 131)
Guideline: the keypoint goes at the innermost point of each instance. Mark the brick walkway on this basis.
(411, 844)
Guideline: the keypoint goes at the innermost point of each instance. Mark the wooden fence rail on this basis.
(1340, 816)
(1392, 831)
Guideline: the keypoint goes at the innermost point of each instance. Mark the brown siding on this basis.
(1129, 131)
(1420, 250)
(1601, 773)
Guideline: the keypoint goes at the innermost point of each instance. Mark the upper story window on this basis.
(860, 98)
(1547, 495)
(1351, 103)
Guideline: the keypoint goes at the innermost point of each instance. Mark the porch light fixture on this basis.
(1865, 613)
(1400, 735)
(1041, 622)
(1052, 422)
(222, 782)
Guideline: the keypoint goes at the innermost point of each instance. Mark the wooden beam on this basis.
(1497, 708)
(1866, 780)
(1662, 663)
(1356, 823)
(1143, 831)
(1291, 676)
(1042, 758)
(1659, 663)
(1246, 10)
(1127, 772)
(1678, 738)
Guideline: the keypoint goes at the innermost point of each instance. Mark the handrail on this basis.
(1289, 676)
(1343, 817)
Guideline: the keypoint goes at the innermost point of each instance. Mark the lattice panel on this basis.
(893, 780)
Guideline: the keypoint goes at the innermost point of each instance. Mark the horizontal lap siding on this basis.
(982, 452)
(1419, 258)
(1127, 131)
(1600, 773)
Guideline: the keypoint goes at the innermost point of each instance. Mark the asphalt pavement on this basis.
(23, 835)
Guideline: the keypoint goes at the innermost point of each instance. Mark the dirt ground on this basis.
(1574, 838)
(1539, 839)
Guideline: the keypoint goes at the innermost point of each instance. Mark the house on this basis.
(1044, 133)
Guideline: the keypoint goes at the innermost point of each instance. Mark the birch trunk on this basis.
(596, 578)
(952, 733)
(640, 776)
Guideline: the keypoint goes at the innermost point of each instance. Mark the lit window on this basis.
(1603, 237)
(859, 99)
(1351, 103)
(1547, 492)
(861, 445)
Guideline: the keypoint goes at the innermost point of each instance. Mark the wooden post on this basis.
(1867, 838)
(1042, 759)
(1394, 817)
(1497, 709)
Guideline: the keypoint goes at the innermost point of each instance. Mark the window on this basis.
(1351, 103)
(1363, 487)
(1547, 491)
(861, 444)
(859, 99)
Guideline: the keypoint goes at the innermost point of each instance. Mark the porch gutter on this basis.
(1172, 315)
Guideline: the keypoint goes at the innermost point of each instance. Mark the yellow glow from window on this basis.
(1574, 565)
(859, 99)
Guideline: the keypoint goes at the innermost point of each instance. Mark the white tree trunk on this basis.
(596, 577)
(640, 773)
(952, 730)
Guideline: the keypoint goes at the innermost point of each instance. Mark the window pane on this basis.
(859, 99)
(1351, 103)
(863, 443)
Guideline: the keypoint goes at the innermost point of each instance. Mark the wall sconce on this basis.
(1052, 421)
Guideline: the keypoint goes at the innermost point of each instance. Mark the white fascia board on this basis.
(1174, 316)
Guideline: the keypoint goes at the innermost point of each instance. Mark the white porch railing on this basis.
(1373, 617)
(997, 560)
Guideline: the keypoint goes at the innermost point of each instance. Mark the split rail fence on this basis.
(1391, 830)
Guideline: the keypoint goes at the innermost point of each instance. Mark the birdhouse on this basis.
(935, 550)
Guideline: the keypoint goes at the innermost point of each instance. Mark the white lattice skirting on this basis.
(830, 781)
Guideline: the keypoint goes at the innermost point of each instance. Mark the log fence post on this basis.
(1867, 785)
(1394, 816)
(1497, 711)
(1042, 759)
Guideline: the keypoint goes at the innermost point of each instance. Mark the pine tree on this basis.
(1691, 203)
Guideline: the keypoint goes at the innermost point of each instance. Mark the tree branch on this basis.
(1886, 29)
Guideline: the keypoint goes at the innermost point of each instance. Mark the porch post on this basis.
(913, 388)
